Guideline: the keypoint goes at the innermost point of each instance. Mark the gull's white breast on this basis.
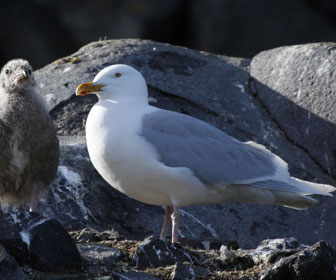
(130, 164)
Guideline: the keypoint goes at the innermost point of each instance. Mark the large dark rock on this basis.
(37, 241)
(315, 262)
(187, 272)
(296, 85)
(155, 252)
(216, 89)
(270, 250)
(51, 247)
(12, 235)
(9, 268)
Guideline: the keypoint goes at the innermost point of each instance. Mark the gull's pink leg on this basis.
(175, 221)
(166, 221)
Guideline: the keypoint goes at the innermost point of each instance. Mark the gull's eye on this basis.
(29, 72)
(117, 75)
(7, 72)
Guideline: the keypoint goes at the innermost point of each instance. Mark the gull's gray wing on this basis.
(215, 157)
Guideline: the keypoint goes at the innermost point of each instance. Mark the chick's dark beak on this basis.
(20, 76)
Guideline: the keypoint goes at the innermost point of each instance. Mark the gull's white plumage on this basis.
(166, 158)
(136, 170)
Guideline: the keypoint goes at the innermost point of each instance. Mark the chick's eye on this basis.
(117, 75)
(7, 72)
(29, 71)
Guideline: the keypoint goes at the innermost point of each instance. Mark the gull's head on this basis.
(16, 75)
(117, 82)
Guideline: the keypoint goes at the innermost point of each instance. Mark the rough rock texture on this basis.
(281, 99)
(99, 254)
(217, 89)
(9, 268)
(154, 252)
(315, 262)
(298, 262)
(39, 242)
(304, 94)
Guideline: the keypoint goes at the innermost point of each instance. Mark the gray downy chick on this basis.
(29, 148)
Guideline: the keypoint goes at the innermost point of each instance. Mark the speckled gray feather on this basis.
(215, 157)
(29, 148)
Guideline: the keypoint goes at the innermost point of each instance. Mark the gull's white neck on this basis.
(124, 100)
(127, 107)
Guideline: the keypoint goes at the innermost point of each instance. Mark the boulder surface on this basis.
(282, 98)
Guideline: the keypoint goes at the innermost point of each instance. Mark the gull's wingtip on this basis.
(321, 189)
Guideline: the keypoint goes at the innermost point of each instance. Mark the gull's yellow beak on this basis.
(86, 88)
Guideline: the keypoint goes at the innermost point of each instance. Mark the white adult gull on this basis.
(166, 158)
